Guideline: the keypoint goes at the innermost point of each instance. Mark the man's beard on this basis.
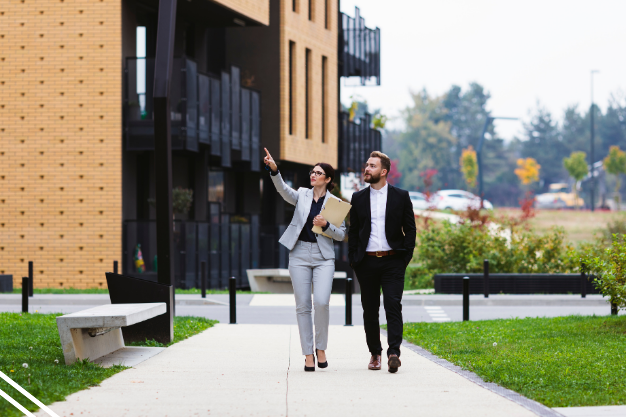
(372, 179)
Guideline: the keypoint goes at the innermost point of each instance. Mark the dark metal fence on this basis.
(356, 142)
(205, 109)
(515, 284)
(359, 48)
(229, 249)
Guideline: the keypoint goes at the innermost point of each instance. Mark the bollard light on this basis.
(25, 282)
(466, 282)
(31, 279)
(348, 302)
(486, 277)
(203, 278)
(232, 288)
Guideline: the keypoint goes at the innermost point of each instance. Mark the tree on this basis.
(394, 175)
(528, 170)
(426, 143)
(576, 166)
(469, 166)
(544, 144)
(615, 163)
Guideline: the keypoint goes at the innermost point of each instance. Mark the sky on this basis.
(521, 52)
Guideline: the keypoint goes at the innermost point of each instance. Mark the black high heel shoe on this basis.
(321, 364)
(309, 368)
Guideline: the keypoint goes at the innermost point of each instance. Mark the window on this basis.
(326, 14)
(295, 6)
(216, 186)
(292, 57)
(140, 52)
(324, 103)
(190, 42)
(310, 9)
(307, 93)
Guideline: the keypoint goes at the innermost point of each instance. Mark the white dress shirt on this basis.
(378, 208)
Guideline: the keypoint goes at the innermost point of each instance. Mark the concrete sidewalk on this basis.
(257, 370)
(554, 300)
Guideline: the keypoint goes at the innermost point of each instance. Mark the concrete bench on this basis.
(96, 332)
(277, 281)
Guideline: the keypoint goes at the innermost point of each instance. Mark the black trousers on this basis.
(374, 273)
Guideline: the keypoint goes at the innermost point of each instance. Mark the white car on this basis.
(458, 200)
(419, 200)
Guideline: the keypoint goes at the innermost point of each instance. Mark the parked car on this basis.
(458, 200)
(559, 196)
(419, 200)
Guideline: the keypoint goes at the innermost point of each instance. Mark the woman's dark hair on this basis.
(330, 173)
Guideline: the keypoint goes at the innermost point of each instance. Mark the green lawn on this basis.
(560, 362)
(33, 339)
(106, 291)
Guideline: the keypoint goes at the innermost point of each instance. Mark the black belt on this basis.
(381, 253)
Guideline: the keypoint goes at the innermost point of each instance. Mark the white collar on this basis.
(381, 191)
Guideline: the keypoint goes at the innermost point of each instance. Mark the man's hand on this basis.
(269, 161)
(320, 221)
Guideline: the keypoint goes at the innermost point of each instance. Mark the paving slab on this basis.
(288, 300)
(128, 356)
(257, 370)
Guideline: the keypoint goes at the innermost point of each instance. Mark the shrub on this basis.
(609, 269)
(417, 277)
(462, 248)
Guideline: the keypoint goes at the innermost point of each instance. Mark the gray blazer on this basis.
(302, 200)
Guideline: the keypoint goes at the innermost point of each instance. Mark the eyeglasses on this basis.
(317, 173)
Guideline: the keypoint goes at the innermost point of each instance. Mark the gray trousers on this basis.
(307, 266)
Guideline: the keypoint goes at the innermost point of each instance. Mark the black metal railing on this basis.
(228, 248)
(359, 48)
(356, 142)
(204, 110)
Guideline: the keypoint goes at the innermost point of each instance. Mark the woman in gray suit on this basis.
(311, 256)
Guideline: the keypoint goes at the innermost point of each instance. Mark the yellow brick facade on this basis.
(258, 10)
(309, 34)
(60, 140)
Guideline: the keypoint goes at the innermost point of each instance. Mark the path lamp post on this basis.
(163, 63)
(479, 153)
(591, 154)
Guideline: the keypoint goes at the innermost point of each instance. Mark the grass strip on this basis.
(567, 361)
(34, 339)
(106, 291)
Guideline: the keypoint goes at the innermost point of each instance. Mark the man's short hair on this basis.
(384, 160)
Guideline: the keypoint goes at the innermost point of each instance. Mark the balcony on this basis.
(356, 141)
(229, 245)
(359, 49)
(217, 112)
(229, 248)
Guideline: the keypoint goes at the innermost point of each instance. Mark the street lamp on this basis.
(592, 156)
(479, 153)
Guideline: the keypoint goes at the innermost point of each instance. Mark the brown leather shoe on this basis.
(374, 364)
(394, 363)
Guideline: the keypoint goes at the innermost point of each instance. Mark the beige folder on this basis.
(335, 212)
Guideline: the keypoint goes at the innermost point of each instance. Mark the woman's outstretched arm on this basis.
(287, 193)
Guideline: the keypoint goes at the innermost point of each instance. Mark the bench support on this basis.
(78, 344)
(97, 332)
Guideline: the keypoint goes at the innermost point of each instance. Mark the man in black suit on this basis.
(381, 241)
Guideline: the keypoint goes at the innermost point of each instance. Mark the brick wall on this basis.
(258, 10)
(60, 140)
(309, 34)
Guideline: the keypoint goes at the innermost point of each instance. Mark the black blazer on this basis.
(400, 227)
